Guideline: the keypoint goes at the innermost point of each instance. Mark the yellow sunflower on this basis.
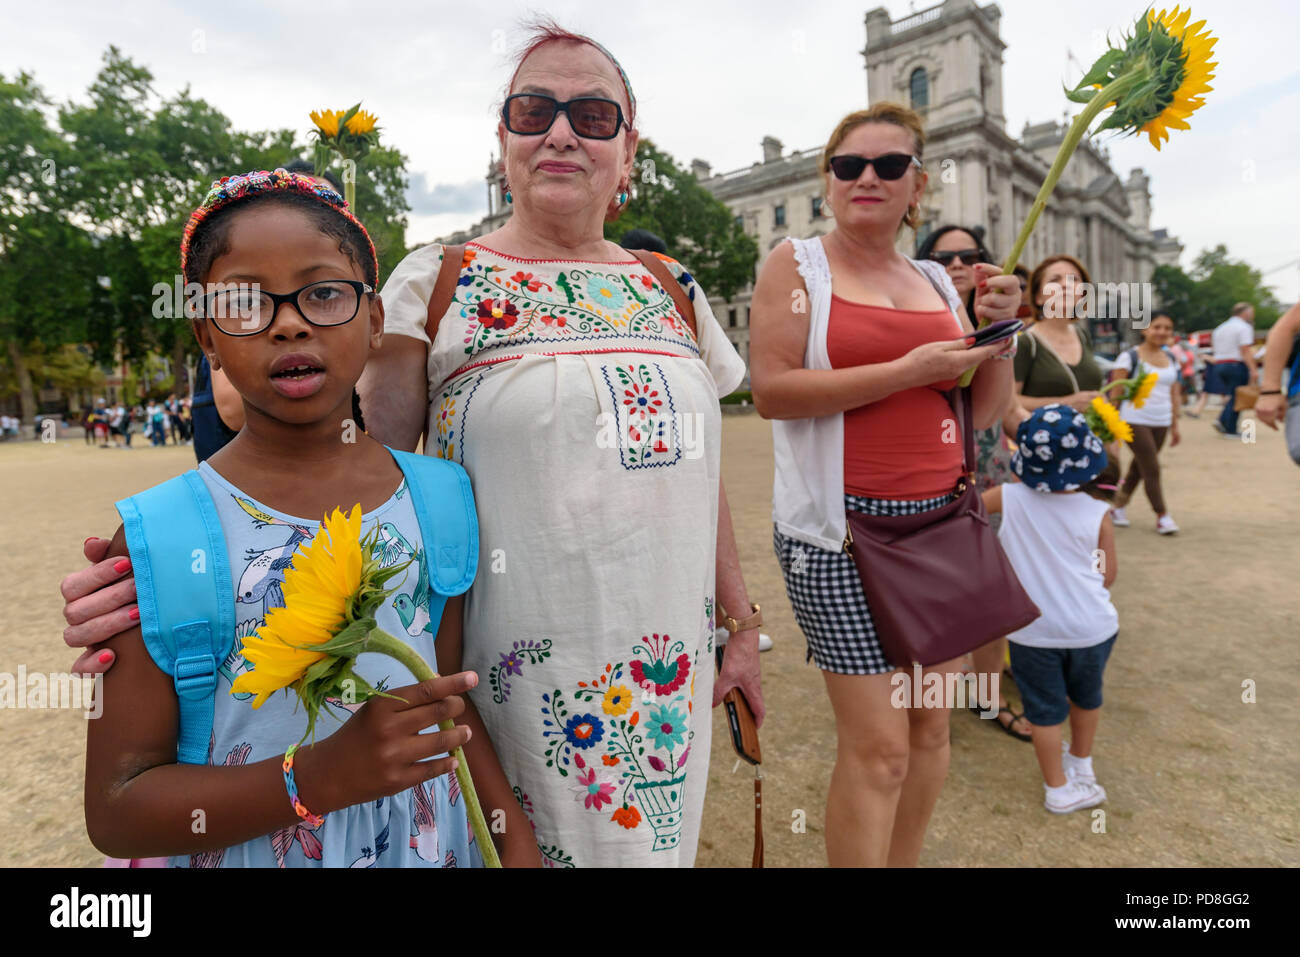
(361, 122)
(1195, 45)
(327, 121)
(1144, 390)
(318, 588)
(1103, 418)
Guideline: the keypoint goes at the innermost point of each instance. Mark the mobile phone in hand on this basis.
(996, 332)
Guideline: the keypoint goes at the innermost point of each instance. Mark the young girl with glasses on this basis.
(290, 315)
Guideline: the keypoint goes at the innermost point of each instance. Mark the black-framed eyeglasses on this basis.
(247, 310)
(969, 257)
(592, 117)
(890, 166)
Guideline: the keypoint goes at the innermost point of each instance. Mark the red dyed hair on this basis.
(545, 30)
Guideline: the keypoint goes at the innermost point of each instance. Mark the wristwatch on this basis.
(733, 626)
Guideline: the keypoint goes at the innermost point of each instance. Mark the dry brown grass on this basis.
(1195, 776)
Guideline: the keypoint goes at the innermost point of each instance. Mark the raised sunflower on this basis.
(350, 134)
(1154, 82)
(361, 122)
(327, 121)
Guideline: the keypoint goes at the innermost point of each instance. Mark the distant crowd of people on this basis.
(113, 425)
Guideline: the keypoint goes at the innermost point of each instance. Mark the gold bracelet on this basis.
(733, 626)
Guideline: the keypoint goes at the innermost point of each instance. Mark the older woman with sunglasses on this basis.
(564, 378)
(854, 347)
(586, 412)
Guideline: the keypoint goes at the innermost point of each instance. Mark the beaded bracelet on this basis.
(315, 820)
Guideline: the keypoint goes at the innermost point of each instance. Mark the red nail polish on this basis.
(122, 565)
(134, 614)
(983, 284)
(88, 541)
(105, 657)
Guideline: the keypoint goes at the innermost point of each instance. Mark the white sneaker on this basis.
(1120, 519)
(1165, 525)
(1072, 771)
(1075, 796)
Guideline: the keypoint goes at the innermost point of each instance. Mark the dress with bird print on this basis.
(423, 827)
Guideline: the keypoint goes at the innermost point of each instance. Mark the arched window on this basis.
(919, 84)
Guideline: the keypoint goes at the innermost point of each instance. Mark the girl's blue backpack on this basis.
(185, 592)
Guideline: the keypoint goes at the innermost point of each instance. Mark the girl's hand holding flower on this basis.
(381, 750)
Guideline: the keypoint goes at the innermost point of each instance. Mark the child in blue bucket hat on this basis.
(1061, 542)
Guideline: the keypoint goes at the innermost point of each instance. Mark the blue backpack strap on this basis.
(184, 590)
(444, 506)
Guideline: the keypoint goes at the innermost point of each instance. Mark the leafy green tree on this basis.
(1217, 282)
(698, 228)
(46, 262)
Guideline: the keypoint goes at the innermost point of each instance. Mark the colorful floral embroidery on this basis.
(449, 432)
(617, 700)
(512, 663)
(584, 730)
(628, 817)
(497, 313)
(508, 306)
(664, 675)
(645, 416)
(593, 791)
(632, 777)
(604, 293)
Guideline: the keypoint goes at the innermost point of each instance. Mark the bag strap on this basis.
(185, 595)
(444, 288)
(960, 400)
(444, 506)
(758, 817)
(672, 286)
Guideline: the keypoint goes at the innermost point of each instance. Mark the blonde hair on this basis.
(893, 113)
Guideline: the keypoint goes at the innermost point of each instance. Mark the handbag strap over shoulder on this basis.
(453, 257)
(962, 405)
(671, 285)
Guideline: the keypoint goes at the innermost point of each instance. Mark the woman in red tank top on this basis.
(884, 339)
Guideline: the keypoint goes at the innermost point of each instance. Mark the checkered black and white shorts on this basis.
(827, 596)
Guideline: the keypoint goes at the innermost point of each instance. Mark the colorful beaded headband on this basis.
(232, 189)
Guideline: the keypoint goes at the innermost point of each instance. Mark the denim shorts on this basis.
(1051, 679)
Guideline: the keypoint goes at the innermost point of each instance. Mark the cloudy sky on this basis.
(712, 78)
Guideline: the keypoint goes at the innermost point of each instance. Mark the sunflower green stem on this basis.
(382, 642)
(1103, 98)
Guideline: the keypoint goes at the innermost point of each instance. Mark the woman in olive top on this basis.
(1054, 361)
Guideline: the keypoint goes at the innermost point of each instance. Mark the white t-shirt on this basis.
(1228, 338)
(1158, 410)
(1050, 538)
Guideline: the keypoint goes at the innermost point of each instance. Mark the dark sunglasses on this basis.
(592, 117)
(969, 257)
(889, 166)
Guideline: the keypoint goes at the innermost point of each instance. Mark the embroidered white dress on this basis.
(587, 417)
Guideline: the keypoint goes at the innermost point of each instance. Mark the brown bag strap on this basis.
(758, 817)
(444, 289)
(672, 286)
